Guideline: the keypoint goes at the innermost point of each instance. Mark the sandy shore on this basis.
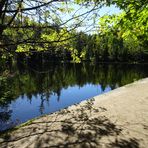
(116, 119)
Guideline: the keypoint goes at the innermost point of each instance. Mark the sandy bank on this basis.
(115, 119)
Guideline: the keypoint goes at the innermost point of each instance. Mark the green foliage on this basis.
(126, 32)
(121, 37)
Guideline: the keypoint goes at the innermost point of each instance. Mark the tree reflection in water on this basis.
(44, 81)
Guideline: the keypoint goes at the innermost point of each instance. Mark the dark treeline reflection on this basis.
(43, 81)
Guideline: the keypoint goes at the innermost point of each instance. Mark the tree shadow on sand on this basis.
(82, 126)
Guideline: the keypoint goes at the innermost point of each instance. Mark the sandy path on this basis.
(115, 119)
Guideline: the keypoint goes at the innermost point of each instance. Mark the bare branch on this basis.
(31, 8)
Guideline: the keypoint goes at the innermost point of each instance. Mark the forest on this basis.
(121, 37)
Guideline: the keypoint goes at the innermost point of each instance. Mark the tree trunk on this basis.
(2, 3)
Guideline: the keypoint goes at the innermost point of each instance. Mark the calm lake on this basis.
(34, 90)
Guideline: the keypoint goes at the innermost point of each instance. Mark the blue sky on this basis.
(87, 25)
(88, 21)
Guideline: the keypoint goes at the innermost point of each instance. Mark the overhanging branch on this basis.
(31, 8)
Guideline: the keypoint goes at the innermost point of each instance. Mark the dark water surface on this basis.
(31, 91)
